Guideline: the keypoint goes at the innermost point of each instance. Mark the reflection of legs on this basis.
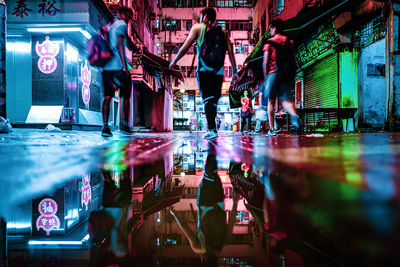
(248, 119)
(271, 113)
(242, 123)
(106, 109)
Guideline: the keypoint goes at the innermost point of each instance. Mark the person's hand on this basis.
(172, 65)
(235, 78)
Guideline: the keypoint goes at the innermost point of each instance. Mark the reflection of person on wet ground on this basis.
(109, 227)
(212, 231)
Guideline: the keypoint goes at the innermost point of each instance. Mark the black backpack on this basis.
(213, 48)
(99, 51)
(285, 60)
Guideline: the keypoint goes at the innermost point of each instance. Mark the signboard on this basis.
(323, 40)
(86, 194)
(48, 220)
(47, 52)
(86, 77)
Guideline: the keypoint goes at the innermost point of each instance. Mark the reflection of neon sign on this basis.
(47, 51)
(86, 195)
(48, 219)
(86, 77)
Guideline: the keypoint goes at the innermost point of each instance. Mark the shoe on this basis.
(294, 121)
(210, 134)
(106, 132)
(271, 133)
(125, 129)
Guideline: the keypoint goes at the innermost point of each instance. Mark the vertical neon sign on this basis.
(47, 51)
(48, 219)
(86, 77)
(86, 195)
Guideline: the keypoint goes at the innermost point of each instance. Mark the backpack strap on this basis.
(200, 40)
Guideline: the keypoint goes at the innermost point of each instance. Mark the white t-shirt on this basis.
(118, 28)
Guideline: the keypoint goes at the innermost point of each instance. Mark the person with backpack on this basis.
(246, 112)
(212, 44)
(279, 67)
(115, 72)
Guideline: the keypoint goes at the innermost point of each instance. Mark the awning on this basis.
(152, 72)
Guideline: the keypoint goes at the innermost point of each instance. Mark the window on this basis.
(171, 25)
(276, 7)
(230, 3)
(241, 46)
(188, 25)
(184, 3)
(185, 72)
(237, 25)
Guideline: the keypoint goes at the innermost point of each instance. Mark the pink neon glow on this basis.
(48, 219)
(86, 77)
(86, 195)
(47, 51)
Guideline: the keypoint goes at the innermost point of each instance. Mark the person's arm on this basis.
(193, 35)
(121, 52)
(194, 242)
(231, 58)
(265, 62)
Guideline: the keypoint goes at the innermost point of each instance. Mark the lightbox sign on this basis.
(48, 219)
(47, 52)
(86, 195)
(86, 77)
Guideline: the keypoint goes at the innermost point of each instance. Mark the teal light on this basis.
(348, 79)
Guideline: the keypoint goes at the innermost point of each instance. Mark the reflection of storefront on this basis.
(48, 78)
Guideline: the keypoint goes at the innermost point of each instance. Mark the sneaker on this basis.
(106, 131)
(210, 134)
(125, 129)
(271, 133)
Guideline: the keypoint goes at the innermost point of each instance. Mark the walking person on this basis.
(279, 69)
(212, 44)
(115, 73)
(246, 112)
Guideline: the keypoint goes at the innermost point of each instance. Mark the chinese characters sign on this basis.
(326, 38)
(48, 219)
(86, 195)
(24, 8)
(47, 51)
(86, 77)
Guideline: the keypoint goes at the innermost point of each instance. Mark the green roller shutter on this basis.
(321, 85)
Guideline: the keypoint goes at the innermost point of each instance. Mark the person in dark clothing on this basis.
(209, 79)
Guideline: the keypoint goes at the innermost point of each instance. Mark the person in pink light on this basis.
(278, 84)
(209, 78)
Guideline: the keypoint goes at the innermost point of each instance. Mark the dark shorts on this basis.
(114, 80)
(275, 88)
(210, 84)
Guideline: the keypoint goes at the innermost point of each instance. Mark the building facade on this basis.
(174, 21)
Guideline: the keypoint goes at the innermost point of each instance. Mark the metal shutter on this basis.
(321, 85)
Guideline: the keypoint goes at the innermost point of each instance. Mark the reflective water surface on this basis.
(179, 200)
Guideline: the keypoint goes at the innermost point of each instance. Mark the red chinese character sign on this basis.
(47, 51)
(86, 77)
(48, 7)
(86, 196)
(48, 219)
(21, 9)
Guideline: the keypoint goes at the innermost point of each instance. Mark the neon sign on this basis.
(47, 51)
(86, 195)
(86, 77)
(48, 219)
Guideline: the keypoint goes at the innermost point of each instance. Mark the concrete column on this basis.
(3, 242)
(393, 66)
(3, 16)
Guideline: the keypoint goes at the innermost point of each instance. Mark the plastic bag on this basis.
(5, 126)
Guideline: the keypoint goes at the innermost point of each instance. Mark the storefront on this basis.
(48, 77)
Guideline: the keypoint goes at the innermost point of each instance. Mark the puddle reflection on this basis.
(195, 202)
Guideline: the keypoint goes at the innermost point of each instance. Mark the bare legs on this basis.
(287, 105)
(106, 109)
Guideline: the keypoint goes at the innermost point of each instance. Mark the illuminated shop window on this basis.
(230, 3)
(242, 46)
(276, 7)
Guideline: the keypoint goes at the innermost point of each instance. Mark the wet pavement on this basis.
(74, 198)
